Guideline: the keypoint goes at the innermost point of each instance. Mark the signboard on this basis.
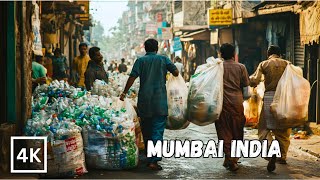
(35, 22)
(219, 17)
(177, 46)
(214, 37)
(178, 19)
(166, 33)
(85, 6)
(151, 28)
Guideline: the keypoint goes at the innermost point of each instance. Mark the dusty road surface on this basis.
(300, 164)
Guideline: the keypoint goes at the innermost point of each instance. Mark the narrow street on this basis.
(79, 76)
(300, 165)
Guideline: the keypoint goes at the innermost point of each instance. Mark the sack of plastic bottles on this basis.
(205, 95)
(112, 153)
(109, 137)
(177, 94)
(65, 155)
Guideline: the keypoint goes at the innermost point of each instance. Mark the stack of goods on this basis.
(61, 112)
(205, 98)
(177, 93)
(65, 146)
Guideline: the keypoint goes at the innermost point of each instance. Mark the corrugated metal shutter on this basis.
(298, 48)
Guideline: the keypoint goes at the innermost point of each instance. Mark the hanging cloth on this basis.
(310, 24)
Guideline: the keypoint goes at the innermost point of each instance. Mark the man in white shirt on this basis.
(179, 65)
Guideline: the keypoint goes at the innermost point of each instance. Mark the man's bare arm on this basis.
(128, 86)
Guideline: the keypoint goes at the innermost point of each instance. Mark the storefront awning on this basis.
(200, 35)
(272, 7)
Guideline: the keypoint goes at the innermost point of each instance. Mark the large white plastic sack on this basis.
(205, 96)
(291, 99)
(177, 93)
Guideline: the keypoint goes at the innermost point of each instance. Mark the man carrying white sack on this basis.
(272, 69)
(235, 89)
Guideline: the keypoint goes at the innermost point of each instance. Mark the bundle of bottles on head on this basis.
(60, 110)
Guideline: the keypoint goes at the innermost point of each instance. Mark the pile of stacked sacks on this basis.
(77, 124)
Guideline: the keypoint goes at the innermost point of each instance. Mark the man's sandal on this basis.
(154, 166)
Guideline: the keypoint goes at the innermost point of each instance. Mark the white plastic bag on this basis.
(210, 61)
(291, 99)
(177, 93)
(205, 96)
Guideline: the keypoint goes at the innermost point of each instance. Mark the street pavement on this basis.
(300, 164)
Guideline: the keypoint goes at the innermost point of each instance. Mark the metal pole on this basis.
(172, 28)
(308, 70)
(318, 93)
(24, 80)
(11, 63)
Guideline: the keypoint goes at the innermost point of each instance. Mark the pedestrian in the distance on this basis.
(179, 65)
(122, 67)
(60, 66)
(152, 98)
(95, 69)
(79, 66)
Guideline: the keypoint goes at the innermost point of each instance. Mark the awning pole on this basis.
(11, 63)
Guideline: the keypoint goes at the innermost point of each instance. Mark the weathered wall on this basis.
(195, 12)
(23, 76)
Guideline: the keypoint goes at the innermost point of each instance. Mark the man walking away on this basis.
(122, 67)
(95, 69)
(272, 69)
(80, 64)
(179, 65)
(235, 89)
(60, 66)
(152, 97)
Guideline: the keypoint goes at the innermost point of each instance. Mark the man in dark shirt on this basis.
(122, 67)
(95, 68)
(152, 98)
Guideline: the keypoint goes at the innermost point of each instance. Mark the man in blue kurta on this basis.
(152, 98)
